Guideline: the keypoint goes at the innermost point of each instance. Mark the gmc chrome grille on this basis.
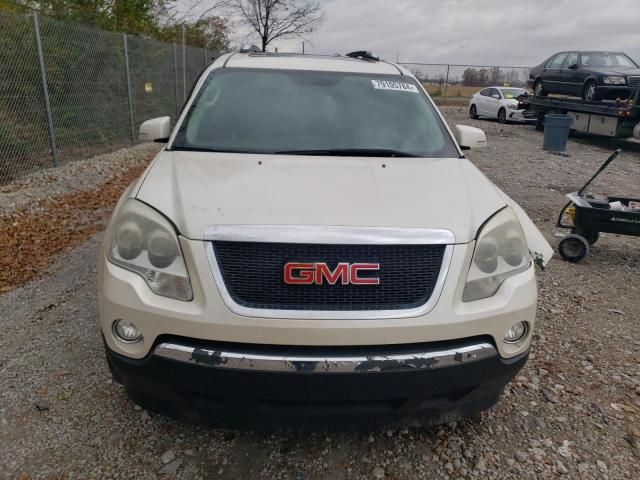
(253, 275)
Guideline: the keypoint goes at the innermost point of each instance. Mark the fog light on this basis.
(126, 331)
(516, 333)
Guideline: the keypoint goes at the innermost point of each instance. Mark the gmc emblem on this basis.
(319, 273)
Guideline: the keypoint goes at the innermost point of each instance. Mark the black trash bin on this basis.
(556, 132)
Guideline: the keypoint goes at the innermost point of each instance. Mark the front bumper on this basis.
(521, 116)
(123, 294)
(248, 386)
(611, 92)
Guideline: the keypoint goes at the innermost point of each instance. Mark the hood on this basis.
(199, 189)
(620, 71)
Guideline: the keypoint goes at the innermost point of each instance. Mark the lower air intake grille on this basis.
(253, 274)
(634, 81)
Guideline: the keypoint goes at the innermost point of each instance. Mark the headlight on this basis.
(614, 80)
(501, 252)
(129, 240)
(162, 248)
(144, 242)
(511, 106)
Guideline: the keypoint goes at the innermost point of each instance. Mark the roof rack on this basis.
(364, 55)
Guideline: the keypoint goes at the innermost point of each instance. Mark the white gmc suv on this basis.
(312, 249)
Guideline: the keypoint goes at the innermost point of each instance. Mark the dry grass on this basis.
(451, 102)
(453, 91)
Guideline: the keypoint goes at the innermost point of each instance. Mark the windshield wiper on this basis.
(350, 152)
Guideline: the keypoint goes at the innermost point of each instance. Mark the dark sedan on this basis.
(590, 75)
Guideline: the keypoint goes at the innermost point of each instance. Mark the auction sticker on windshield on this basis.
(390, 85)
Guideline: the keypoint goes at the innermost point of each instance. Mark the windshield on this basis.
(603, 59)
(510, 93)
(287, 111)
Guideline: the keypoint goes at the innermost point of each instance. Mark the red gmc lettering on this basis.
(305, 273)
(340, 273)
(357, 267)
(319, 273)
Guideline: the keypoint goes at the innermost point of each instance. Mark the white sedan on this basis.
(497, 102)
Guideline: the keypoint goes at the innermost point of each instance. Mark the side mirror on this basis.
(469, 137)
(573, 66)
(155, 130)
(496, 96)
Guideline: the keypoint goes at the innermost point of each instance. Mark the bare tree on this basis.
(273, 19)
(419, 74)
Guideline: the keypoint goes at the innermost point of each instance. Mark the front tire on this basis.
(573, 248)
(473, 112)
(589, 92)
(502, 116)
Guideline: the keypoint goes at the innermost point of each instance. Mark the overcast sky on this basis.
(493, 32)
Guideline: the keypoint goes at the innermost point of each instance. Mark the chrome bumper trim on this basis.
(428, 360)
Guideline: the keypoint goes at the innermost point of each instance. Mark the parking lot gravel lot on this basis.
(573, 412)
(78, 176)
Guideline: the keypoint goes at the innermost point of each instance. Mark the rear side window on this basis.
(604, 59)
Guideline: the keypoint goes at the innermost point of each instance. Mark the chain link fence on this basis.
(69, 91)
(456, 83)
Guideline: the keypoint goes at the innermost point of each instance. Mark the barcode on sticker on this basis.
(391, 85)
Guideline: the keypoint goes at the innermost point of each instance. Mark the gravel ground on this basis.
(573, 411)
(81, 175)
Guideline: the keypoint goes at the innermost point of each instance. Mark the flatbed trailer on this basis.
(616, 118)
